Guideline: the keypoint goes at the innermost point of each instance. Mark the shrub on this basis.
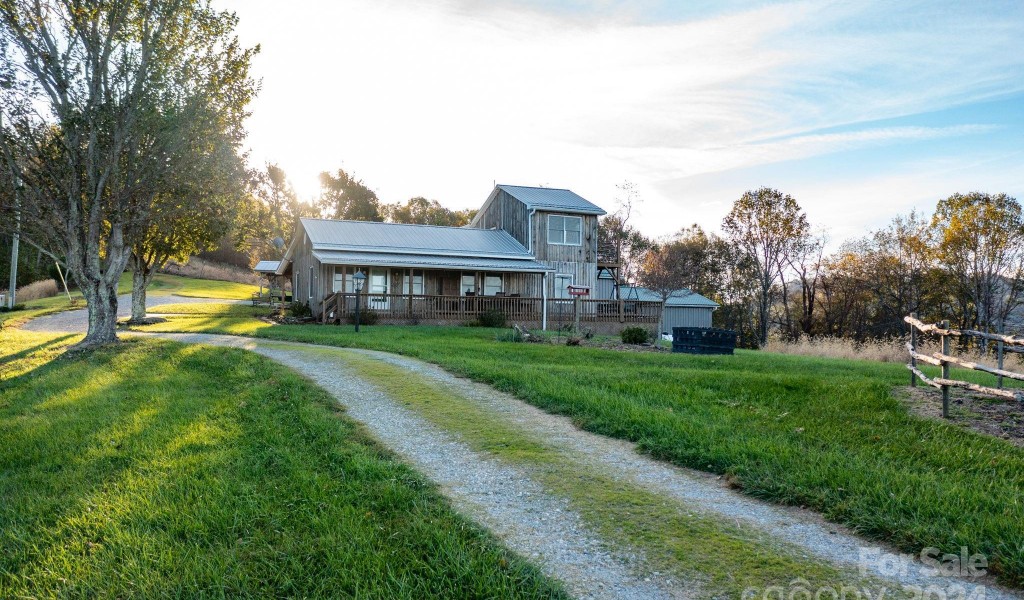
(16, 307)
(492, 318)
(46, 288)
(366, 317)
(299, 310)
(635, 335)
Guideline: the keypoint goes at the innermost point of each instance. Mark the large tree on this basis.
(766, 226)
(98, 102)
(345, 197)
(421, 211)
(673, 268)
(196, 210)
(980, 242)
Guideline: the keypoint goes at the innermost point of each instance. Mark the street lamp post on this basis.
(359, 278)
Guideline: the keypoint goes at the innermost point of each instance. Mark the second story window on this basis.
(564, 231)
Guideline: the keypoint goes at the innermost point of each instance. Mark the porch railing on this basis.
(339, 306)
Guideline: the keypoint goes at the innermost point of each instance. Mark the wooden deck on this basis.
(405, 308)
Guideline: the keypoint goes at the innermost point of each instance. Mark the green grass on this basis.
(161, 285)
(822, 433)
(721, 558)
(203, 309)
(164, 284)
(153, 469)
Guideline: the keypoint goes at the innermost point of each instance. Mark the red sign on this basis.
(578, 290)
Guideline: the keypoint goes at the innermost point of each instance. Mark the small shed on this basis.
(683, 309)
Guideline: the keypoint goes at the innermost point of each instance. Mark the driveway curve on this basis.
(544, 527)
(77, 321)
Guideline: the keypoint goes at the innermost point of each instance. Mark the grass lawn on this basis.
(822, 433)
(162, 285)
(157, 469)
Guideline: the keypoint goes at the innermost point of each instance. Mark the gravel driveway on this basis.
(542, 526)
(77, 321)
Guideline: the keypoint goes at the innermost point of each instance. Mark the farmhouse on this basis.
(518, 257)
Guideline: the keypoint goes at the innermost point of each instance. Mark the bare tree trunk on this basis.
(101, 300)
(139, 284)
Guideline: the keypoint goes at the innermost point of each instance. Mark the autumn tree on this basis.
(674, 268)
(805, 263)
(97, 102)
(766, 226)
(345, 197)
(421, 211)
(980, 242)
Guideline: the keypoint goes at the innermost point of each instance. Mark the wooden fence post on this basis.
(913, 349)
(945, 370)
(999, 351)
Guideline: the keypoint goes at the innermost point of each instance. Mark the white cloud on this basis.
(441, 100)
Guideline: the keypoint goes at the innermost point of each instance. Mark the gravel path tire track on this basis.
(533, 522)
(543, 527)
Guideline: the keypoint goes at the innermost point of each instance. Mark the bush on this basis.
(36, 290)
(299, 310)
(492, 318)
(16, 307)
(635, 335)
(366, 317)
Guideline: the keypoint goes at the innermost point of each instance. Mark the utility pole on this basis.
(13, 286)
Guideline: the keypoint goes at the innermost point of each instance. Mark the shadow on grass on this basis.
(33, 349)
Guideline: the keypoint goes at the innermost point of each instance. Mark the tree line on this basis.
(272, 208)
(771, 274)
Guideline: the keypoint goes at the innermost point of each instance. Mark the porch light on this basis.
(359, 278)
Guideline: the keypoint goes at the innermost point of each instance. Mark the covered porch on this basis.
(401, 295)
(405, 294)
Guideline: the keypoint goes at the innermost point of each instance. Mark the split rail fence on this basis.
(943, 360)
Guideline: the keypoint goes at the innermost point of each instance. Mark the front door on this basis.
(378, 298)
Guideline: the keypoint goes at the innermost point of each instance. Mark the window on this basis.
(492, 285)
(378, 281)
(378, 284)
(343, 280)
(468, 285)
(564, 231)
(562, 283)
(311, 282)
(417, 283)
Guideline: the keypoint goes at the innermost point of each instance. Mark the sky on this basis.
(860, 110)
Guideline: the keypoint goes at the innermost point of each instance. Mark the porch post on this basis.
(544, 301)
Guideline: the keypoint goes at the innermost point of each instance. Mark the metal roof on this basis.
(681, 298)
(552, 199)
(367, 236)
(267, 266)
(417, 261)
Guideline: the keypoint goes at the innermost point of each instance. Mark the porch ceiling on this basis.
(429, 261)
